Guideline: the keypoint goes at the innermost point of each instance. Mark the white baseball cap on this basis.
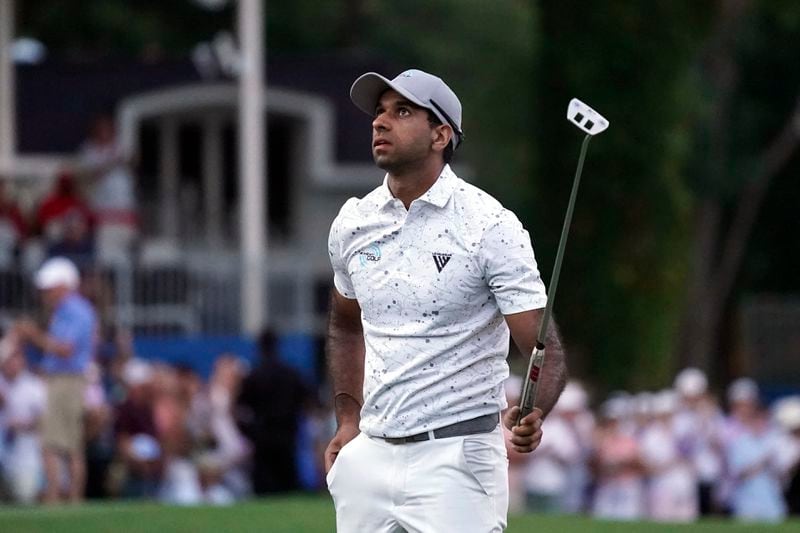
(665, 402)
(137, 372)
(421, 88)
(743, 390)
(573, 398)
(617, 406)
(691, 382)
(787, 413)
(643, 403)
(57, 272)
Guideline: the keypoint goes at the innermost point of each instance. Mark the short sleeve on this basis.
(510, 266)
(341, 276)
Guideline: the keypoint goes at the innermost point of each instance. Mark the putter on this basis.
(590, 122)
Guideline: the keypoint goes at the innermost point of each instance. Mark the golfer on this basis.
(430, 275)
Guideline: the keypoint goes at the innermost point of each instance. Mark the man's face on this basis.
(401, 133)
(744, 409)
(52, 297)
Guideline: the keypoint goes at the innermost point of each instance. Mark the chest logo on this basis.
(370, 254)
(441, 260)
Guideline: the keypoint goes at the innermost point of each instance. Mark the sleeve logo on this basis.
(370, 254)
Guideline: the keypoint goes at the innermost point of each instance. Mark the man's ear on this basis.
(441, 135)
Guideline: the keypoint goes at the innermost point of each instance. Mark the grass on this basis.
(298, 514)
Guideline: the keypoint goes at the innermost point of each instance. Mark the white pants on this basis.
(24, 468)
(455, 484)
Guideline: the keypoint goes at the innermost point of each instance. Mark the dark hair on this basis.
(433, 120)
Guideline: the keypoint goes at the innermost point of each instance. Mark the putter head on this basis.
(586, 118)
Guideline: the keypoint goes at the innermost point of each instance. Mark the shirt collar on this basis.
(67, 300)
(441, 191)
(384, 195)
(438, 195)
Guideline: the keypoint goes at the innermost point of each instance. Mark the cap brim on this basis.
(44, 285)
(368, 88)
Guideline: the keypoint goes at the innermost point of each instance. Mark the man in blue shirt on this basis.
(68, 346)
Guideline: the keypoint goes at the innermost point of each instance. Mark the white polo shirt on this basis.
(433, 284)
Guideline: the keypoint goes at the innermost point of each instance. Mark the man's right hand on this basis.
(344, 434)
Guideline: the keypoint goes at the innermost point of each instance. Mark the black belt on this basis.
(482, 424)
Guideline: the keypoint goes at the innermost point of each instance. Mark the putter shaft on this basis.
(530, 384)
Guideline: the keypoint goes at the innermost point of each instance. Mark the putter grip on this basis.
(530, 384)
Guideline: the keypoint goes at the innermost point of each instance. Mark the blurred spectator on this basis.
(99, 433)
(751, 447)
(13, 229)
(183, 413)
(112, 193)
(64, 201)
(271, 402)
(137, 469)
(699, 426)
(574, 410)
(23, 399)
(787, 415)
(190, 392)
(67, 225)
(8, 343)
(316, 430)
(68, 346)
(672, 484)
(232, 448)
(556, 475)
(742, 399)
(642, 408)
(619, 484)
(114, 350)
(223, 475)
(75, 242)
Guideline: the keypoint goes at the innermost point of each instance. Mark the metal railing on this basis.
(200, 296)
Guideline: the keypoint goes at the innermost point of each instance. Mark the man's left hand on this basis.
(526, 436)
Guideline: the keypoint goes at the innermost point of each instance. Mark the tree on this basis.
(746, 150)
(486, 52)
(83, 30)
(619, 301)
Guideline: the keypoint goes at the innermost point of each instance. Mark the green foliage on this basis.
(485, 51)
(83, 29)
(307, 26)
(769, 85)
(625, 265)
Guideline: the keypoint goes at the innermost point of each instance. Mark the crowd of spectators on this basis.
(672, 455)
(162, 432)
(88, 213)
(159, 431)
